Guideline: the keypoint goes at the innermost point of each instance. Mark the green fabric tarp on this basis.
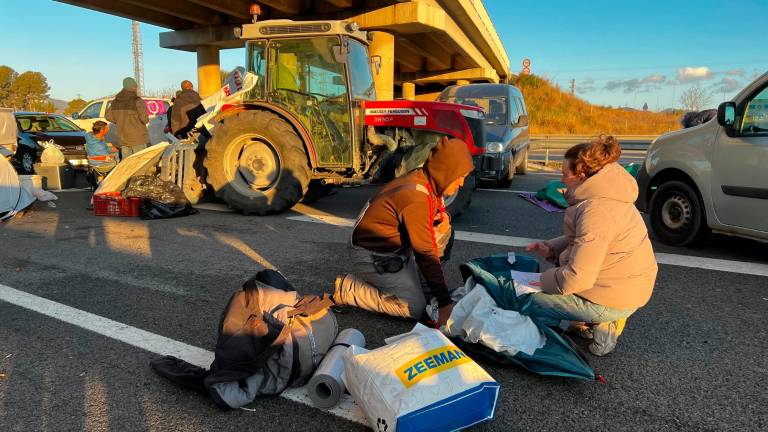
(557, 357)
(554, 191)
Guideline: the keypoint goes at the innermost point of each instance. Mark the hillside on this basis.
(552, 111)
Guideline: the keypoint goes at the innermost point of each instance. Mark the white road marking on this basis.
(740, 267)
(151, 342)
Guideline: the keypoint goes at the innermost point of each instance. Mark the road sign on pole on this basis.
(527, 63)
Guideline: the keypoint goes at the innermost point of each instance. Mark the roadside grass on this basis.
(553, 111)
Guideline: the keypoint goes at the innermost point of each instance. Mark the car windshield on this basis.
(494, 107)
(45, 123)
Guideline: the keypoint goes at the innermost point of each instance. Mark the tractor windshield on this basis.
(308, 77)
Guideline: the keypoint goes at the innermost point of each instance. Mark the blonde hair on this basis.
(589, 158)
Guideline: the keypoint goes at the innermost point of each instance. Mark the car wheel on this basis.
(677, 214)
(522, 167)
(24, 160)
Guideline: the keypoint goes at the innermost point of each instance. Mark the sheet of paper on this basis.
(522, 282)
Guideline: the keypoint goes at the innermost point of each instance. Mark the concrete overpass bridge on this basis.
(423, 45)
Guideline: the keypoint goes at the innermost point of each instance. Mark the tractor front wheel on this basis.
(256, 163)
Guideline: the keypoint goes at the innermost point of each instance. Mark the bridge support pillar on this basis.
(382, 49)
(208, 70)
(409, 91)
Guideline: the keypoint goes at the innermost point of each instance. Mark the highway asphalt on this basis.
(695, 358)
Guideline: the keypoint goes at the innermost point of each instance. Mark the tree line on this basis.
(26, 91)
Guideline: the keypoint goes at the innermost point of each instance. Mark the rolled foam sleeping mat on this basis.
(327, 386)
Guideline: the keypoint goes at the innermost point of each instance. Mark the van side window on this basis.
(515, 117)
(755, 121)
(522, 105)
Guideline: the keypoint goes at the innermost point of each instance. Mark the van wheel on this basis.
(506, 179)
(256, 163)
(522, 167)
(458, 202)
(677, 214)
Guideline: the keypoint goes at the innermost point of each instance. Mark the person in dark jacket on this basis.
(188, 101)
(395, 243)
(129, 112)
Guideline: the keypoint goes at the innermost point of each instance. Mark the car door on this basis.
(89, 115)
(740, 167)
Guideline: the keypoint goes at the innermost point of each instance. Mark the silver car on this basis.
(712, 177)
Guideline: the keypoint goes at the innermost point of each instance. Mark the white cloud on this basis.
(735, 72)
(691, 74)
(654, 79)
(728, 85)
(644, 85)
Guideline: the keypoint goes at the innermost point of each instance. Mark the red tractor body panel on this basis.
(447, 118)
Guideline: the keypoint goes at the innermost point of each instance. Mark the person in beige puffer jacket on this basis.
(606, 268)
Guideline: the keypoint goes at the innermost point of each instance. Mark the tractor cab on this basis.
(319, 73)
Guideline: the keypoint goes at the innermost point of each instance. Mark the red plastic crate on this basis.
(115, 205)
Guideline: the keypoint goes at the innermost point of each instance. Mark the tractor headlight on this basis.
(494, 147)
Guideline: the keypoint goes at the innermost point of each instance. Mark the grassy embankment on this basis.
(552, 111)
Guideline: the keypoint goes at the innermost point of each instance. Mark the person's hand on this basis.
(541, 248)
(443, 314)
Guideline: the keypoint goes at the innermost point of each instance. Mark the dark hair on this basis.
(98, 126)
(589, 158)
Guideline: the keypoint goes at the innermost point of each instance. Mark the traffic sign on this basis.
(526, 63)
(526, 71)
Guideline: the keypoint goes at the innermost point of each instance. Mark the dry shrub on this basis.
(552, 111)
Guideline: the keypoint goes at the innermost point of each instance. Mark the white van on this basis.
(157, 109)
(713, 176)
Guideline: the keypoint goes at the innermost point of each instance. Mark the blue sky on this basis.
(619, 52)
(632, 52)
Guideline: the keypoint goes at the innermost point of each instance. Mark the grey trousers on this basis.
(126, 151)
(398, 294)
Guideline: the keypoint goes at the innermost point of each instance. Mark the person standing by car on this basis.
(129, 112)
(399, 236)
(606, 268)
(186, 102)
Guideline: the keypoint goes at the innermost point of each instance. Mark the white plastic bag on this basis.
(477, 319)
(419, 381)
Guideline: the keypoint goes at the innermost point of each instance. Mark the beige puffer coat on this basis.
(605, 255)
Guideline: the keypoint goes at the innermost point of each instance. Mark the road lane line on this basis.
(741, 267)
(152, 342)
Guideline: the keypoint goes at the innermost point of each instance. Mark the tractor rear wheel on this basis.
(256, 163)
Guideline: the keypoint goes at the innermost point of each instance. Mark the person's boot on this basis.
(605, 336)
(340, 306)
(580, 329)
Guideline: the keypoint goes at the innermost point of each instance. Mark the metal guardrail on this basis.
(564, 142)
(547, 143)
